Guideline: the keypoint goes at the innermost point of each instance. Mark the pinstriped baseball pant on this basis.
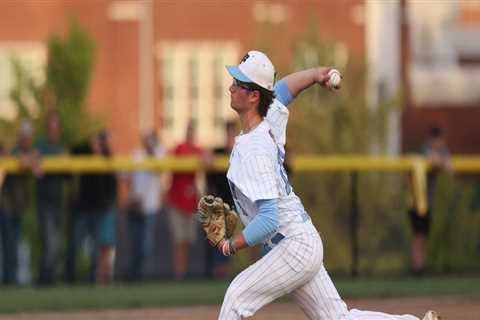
(294, 266)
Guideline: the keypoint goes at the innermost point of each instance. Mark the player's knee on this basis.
(232, 307)
(229, 300)
(229, 310)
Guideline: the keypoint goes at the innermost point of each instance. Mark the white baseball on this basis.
(335, 78)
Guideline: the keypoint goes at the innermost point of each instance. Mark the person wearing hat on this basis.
(272, 213)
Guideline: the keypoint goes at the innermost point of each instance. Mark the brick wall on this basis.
(115, 88)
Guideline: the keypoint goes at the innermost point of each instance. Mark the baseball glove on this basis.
(217, 219)
(212, 217)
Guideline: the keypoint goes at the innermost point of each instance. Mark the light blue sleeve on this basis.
(264, 223)
(282, 93)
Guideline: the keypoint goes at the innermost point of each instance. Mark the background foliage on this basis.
(68, 76)
(454, 242)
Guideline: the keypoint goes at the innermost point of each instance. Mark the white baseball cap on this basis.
(255, 67)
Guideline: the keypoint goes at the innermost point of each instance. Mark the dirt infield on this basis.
(455, 308)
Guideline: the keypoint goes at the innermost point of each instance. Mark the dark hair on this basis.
(230, 124)
(266, 97)
(104, 139)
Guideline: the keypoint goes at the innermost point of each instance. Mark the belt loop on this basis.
(277, 238)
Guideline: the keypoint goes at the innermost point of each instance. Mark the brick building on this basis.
(160, 62)
(444, 74)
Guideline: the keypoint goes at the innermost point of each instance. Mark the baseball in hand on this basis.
(335, 78)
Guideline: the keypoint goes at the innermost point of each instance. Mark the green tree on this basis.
(454, 239)
(25, 95)
(68, 75)
(68, 78)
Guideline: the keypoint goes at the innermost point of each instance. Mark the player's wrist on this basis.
(227, 247)
(321, 75)
(220, 244)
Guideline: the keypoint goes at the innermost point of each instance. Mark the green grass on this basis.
(427, 286)
(163, 294)
(115, 297)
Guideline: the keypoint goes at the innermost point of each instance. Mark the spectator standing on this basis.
(438, 156)
(182, 202)
(217, 264)
(15, 200)
(84, 218)
(49, 198)
(107, 187)
(93, 215)
(144, 204)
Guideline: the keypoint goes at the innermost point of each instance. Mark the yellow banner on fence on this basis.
(416, 166)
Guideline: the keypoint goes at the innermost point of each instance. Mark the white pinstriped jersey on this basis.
(257, 172)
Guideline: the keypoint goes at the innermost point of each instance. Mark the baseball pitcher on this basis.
(272, 213)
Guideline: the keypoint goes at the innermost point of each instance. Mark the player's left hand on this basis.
(211, 216)
(217, 219)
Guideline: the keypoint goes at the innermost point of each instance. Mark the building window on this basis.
(195, 86)
(168, 92)
(264, 11)
(193, 89)
(218, 90)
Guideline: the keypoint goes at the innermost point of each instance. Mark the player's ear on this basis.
(255, 94)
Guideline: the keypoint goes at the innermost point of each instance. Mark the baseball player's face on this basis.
(240, 96)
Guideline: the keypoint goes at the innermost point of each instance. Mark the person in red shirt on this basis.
(182, 201)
